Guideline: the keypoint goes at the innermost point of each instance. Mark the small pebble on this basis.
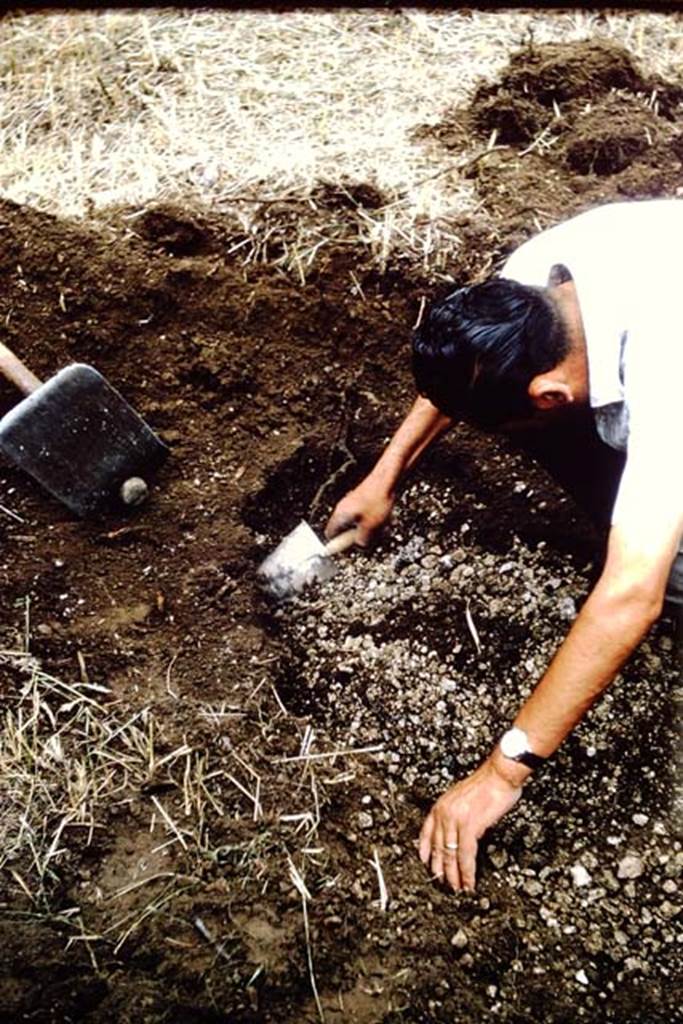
(630, 866)
(499, 858)
(668, 910)
(580, 876)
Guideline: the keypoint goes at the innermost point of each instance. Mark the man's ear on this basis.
(548, 393)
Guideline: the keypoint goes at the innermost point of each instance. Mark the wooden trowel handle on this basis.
(342, 541)
(16, 372)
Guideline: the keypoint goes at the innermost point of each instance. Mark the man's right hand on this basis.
(367, 507)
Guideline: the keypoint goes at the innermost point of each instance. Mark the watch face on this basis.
(514, 743)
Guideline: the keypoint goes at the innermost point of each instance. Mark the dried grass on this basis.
(127, 107)
(70, 755)
(64, 756)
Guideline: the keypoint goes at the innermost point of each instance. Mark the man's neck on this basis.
(575, 364)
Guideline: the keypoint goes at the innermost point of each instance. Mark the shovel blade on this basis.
(80, 439)
(297, 560)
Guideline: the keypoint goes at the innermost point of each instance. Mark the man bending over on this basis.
(587, 313)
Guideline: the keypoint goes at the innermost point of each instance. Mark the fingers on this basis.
(449, 850)
(431, 846)
(467, 857)
(339, 524)
(336, 523)
(425, 846)
(436, 853)
(366, 507)
(342, 519)
(461, 816)
(451, 858)
(439, 849)
(363, 535)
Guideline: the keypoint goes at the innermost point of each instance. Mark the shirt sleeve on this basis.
(530, 264)
(651, 488)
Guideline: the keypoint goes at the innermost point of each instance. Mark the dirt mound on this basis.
(610, 136)
(556, 72)
(541, 80)
(561, 119)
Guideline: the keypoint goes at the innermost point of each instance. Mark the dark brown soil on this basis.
(570, 127)
(274, 397)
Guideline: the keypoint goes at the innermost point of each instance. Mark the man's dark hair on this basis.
(476, 351)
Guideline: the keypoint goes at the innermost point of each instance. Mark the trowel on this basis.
(78, 437)
(300, 559)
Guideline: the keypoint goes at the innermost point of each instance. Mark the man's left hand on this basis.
(455, 824)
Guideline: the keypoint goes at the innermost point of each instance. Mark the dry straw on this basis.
(128, 107)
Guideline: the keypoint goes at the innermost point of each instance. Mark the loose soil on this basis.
(275, 396)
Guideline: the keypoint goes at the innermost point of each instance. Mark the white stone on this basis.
(580, 876)
(630, 866)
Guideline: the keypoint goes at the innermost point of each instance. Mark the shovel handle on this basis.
(16, 372)
(342, 541)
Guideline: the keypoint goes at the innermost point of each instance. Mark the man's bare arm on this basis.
(369, 504)
(625, 602)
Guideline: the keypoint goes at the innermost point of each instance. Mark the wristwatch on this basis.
(514, 744)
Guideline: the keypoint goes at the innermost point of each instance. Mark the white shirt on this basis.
(626, 260)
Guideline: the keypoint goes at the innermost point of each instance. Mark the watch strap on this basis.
(531, 760)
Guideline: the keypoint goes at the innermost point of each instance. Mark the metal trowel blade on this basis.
(297, 560)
